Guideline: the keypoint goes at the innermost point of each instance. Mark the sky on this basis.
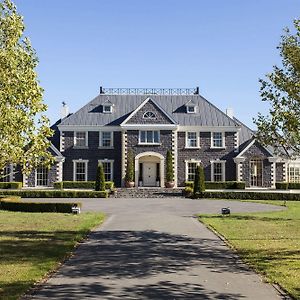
(223, 47)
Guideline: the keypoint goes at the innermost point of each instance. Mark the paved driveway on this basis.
(156, 249)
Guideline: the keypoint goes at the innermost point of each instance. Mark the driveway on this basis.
(156, 249)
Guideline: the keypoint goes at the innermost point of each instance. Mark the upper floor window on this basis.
(191, 109)
(218, 140)
(107, 108)
(106, 139)
(149, 115)
(80, 139)
(192, 140)
(149, 137)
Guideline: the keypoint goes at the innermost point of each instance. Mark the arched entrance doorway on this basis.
(149, 169)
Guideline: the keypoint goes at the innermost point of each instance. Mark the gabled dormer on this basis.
(191, 107)
(107, 107)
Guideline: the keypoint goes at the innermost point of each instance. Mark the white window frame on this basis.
(36, 179)
(149, 118)
(293, 165)
(10, 172)
(111, 140)
(223, 163)
(86, 139)
(107, 111)
(197, 162)
(149, 143)
(197, 140)
(191, 106)
(85, 161)
(212, 140)
(111, 161)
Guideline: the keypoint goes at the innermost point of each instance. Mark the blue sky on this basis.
(221, 46)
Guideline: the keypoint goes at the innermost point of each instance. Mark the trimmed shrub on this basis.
(109, 185)
(169, 167)
(129, 176)
(79, 185)
(59, 185)
(11, 185)
(37, 206)
(100, 179)
(220, 185)
(282, 185)
(294, 186)
(188, 192)
(249, 196)
(199, 184)
(56, 194)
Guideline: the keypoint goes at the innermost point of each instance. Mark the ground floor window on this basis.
(42, 176)
(294, 173)
(5, 174)
(218, 171)
(108, 169)
(191, 169)
(80, 170)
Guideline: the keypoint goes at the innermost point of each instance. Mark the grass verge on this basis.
(33, 244)
(269, 242)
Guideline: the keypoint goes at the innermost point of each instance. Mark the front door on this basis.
(256, 170)
(149, 174)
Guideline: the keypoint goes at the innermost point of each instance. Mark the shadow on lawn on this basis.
(248, 218)
(110, 256)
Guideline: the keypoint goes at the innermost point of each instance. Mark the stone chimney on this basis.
(64, 111)
(229, 113)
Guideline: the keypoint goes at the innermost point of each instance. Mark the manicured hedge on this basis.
(56, 194)
(249, 196)
(109, 185)
(36, 206)
(234, 185)
(11, 185)
(287, 186)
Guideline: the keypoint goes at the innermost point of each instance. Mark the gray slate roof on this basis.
(207, 114)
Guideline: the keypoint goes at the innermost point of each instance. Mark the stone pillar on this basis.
(175, 156)
(273, 160)
(239, 167)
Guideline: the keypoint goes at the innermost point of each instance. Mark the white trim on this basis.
(149, 118)
(141, 105)
(212, 140)
(86, 161)
(55, 150)
(111, 161)
(209, 128)
(35, 176)
(249, 146)
(110, 105)
(189, 106)
(197, 161)
(149, 126)
(212, 162)
(61, 141)
(123, 156)
(111, 140)
(197, 140)
(86, 140)
(175, 156)
(72, 128)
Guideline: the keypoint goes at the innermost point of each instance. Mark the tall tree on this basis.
(24, 128)
(281, 128)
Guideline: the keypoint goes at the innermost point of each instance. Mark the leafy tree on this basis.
(23, 127)
(199, 182)
(129, 176)
(100, 179)
(169, 167)
(281, 128)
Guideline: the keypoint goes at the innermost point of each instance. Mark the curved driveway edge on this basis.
(156, 249)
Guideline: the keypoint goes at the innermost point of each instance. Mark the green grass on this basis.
(33, 244)
(269, 242)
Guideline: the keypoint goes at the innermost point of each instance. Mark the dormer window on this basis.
(107, 108)
(191, 109)
(149, 115)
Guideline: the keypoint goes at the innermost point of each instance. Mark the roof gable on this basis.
(139, 115)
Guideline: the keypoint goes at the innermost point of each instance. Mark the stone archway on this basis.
(149, 169)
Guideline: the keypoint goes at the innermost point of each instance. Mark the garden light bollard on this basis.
(75, 209)
(225, 211)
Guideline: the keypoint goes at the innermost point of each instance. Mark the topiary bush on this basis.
(169, 167)
(129, 176)
(199, 182)
(100, 179)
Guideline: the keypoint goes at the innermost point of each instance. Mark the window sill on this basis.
(105, 148)
(218, 148)
(149, 144)
(80, 147)
(192, 148)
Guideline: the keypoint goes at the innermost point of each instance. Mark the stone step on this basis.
(147, 193)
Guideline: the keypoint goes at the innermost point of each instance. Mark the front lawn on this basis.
(269, 242)
(32, 244)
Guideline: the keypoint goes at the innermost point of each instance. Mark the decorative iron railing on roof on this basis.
(149, 91)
